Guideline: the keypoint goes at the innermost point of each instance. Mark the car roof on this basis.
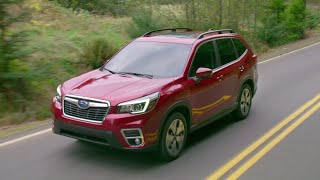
(188, 37)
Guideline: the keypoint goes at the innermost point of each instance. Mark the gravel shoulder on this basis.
(311, 38)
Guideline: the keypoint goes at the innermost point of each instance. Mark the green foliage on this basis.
(142, 22)
(166, 15)
(48, 52)
(312, 19)
(273, 30)
(284, 22)
(96, 52)
(272, 33)
(111, 7)
(148, 18)
(295, 17)
(12, 57)
(275, 8)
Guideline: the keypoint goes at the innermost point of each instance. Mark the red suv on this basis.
(158, 89)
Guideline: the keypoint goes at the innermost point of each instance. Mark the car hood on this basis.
(115, 88)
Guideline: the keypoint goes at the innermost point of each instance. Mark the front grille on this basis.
(72, 109)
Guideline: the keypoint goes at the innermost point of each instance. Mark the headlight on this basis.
(58, 95)
(140, 105)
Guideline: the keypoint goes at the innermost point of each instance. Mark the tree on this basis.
(272, 29)
(295, 16)
(11, 56)
(275, 7)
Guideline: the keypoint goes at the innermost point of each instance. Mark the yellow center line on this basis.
(221, 171)
(272, 144)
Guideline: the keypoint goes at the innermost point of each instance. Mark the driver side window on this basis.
(204, 57)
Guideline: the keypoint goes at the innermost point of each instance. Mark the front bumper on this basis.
(92, 135)
(109, 132)
(103, 137)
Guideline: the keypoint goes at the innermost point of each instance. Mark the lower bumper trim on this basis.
(103, 137)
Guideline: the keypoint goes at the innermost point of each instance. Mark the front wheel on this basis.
(173, 138)
(244, 103)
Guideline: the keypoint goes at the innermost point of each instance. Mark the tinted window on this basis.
(226, 51)
(204, 57)
(157, 59)
(241, 48)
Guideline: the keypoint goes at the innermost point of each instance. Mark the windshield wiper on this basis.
(112, 72)
(137, 74)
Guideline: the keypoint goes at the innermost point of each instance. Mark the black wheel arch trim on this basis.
(171, 109)
(243, 82)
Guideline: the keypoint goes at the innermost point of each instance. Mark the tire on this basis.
(173, 137)
(244, 103)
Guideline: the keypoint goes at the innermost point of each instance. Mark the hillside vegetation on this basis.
(43, 43)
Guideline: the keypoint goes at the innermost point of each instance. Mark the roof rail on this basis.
(221, 31)
(169, 29)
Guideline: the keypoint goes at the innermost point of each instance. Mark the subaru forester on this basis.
(158, 89)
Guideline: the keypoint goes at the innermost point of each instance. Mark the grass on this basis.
(56, 39)
(13, 129)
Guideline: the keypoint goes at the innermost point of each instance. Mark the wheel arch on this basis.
(182, 107)
(250, 82)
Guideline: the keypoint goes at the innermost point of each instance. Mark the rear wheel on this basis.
(244, 103)
(173, 137)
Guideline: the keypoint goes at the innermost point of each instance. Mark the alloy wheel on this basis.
(175, 137)
(245, 101)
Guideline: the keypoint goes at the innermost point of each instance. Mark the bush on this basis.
(312, 20)
(295, 16)
(96, 52)
(273, 33)
(12, 57)
(111, 7)
(142, 23)
(156, 17)
(284, 24)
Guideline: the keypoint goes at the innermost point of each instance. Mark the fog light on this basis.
(134, 136)
(137, 141)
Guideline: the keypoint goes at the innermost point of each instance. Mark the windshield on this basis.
(150, 58)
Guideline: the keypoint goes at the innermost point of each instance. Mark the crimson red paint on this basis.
(157, 89)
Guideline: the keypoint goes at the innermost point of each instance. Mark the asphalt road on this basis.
(285, 84)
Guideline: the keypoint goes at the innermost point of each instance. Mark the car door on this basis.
(231, 68)
(206, 95)
(244, 58)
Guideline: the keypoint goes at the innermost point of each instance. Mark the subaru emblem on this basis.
(83, 104)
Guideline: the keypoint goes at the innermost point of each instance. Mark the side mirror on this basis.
(204, 73)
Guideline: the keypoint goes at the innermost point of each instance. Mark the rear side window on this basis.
(241, 48)
(204, 57)
(226, 51)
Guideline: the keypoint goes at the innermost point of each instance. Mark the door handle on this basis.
(219, 78)
(241, 68)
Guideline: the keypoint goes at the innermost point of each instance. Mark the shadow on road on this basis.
(97, 155)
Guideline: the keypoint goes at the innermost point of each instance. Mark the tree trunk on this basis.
(255, 15)
(193, 13)
(229, 13)
(220, 11)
